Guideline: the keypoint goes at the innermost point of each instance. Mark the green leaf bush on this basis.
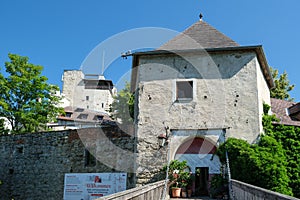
(273, 163)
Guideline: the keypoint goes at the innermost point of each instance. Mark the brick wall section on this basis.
(32, 166)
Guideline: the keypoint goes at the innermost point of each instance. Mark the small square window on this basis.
(20, 149)
(82, 116)
(98, 117)
(68, 114)
(79, 110)
(184, 90)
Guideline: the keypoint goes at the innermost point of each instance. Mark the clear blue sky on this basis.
(59, 34)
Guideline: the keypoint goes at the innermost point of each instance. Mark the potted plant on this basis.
(183, 189)
(176, 191)
(190, 184)
(184, 180)
(174, 178)
(177, 176)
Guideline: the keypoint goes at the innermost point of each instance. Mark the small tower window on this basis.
(68, 114)
(184, 90)
(87, 98)
(99, 117)
(82, 116)
(20, 149)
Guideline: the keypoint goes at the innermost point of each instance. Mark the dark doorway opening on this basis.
(201, 181)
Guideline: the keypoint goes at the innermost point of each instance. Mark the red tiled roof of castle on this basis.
(281, 109)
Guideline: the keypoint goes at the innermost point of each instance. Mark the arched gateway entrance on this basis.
(199, 154)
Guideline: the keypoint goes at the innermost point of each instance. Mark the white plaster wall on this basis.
(96, 98)
(70, 79)
(74, 91)
(263, 93)
(201, 160)
(228, 90)
(226, 94)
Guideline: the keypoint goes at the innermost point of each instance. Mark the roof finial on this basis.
(200, 16)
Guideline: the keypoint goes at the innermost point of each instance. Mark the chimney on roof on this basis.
(200, 16)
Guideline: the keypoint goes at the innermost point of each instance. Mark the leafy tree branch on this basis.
(282, 86)
(26, 99)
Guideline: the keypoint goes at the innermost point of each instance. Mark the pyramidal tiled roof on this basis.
(199, 35)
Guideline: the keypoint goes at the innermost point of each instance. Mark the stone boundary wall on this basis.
(151, 191)
(33, 166)
(244, 191)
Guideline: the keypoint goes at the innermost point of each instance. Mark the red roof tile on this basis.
(199, 35)
(280, 109)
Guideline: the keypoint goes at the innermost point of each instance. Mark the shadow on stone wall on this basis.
(32, 166)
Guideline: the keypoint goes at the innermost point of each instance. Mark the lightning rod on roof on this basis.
(200, 16)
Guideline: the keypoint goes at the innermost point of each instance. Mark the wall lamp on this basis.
(163, 138)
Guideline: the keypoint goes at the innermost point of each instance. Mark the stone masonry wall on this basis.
(32, 166)
(225, 94)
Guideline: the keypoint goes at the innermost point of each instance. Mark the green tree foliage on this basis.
(178, 173)
(123, 106)
(268, 120)
(289, 137)
(263, 164)
(282, 86)
(26, 98)
(273, 163)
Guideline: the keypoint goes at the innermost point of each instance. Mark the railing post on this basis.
(230, 191)
(231, 196)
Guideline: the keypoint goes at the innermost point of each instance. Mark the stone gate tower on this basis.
(192, 90)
